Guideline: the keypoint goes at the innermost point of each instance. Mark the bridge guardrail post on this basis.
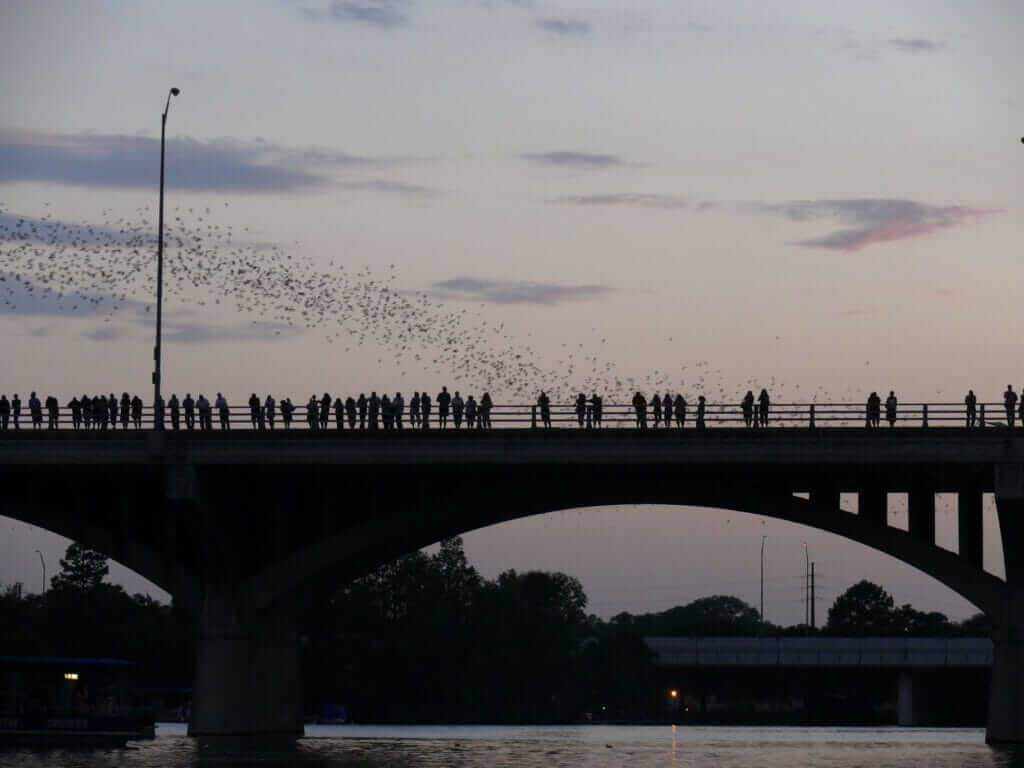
(533, 417)
(981, 421)
(811, 423)
(924, 415)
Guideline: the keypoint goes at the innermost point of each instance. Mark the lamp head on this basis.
(175, 91)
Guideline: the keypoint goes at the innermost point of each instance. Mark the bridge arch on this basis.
(387, 536)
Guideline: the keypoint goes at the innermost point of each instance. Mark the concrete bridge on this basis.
(242, 525)
(915, 667)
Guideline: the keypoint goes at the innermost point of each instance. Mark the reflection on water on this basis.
(544, 747)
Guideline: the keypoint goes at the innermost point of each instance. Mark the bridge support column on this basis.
(969, 504)
(1006, 696)
(921, 514)
(873, 505)
(247, 674)
(905, 699)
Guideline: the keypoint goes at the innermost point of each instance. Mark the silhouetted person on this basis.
(254, 410)
(35, 411)
(679, 409)
(158, 412)
(137, 412)
(339, 412)
(313, 413)
(175, 407)
(581, 408)
(971, 405)
(325, 410)
(656, 409)
(350, 411)
(99, 412)
(270, 410)
(86, 402)
(1022, 412)
(701, 405)
(223, 411)
(640, 407)
(398, 403)
(486, 404)
(189, 405)
(261, 417)
(205, 413)
(425, 410)
(374, 410)
(874, 410)
(125, 410)
(414, 410)
(890, 409)
(747, 406)
(763, 402)
(387, 412)
(544, 403)
(287, 409)
(75, 406)
(470, 412)
(361, 404)
(52, 412)
(1009, 402)
(5, 412)
(596, 408)
(444, 402)
(112, 410)
(16, 411)
(458, 407)
(666, 410)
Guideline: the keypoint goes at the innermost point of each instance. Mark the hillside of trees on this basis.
(428, 639)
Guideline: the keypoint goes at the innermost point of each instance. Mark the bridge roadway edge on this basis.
(210, 487)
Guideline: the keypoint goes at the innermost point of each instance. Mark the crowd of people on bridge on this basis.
(99, 412)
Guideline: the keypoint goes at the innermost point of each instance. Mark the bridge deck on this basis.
(781, 446)
(863, 652)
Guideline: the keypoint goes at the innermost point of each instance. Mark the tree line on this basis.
(426, 638)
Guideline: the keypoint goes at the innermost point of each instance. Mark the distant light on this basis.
(70, 675)
(674, 693)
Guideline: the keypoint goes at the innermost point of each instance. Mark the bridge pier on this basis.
(1006, 696)
(247, 673)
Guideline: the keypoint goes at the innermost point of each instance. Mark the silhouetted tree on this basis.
(81, 569)
(863, 609)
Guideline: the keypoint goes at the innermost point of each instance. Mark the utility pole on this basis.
(813, 621)
(762, 578)
(807, 587)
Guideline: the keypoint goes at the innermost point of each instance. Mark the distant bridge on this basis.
(917, 664)
(242, 524)
(816, 652)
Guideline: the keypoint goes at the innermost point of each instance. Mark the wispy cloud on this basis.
(581, 161)
(513, 292)
(628, 200)
(384, 14)
(133, 161)
(393, 188)
(916, 44)
(569, 27)
(865, 222)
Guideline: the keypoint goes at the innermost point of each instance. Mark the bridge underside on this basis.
(242, 543)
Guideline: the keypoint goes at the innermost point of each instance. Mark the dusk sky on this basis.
(816, 197)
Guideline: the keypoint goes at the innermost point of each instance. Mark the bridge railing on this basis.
(566, 416)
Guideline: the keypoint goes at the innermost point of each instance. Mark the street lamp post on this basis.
(160, 253)
(43, 563)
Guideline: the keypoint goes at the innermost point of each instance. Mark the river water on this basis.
(544, 747)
